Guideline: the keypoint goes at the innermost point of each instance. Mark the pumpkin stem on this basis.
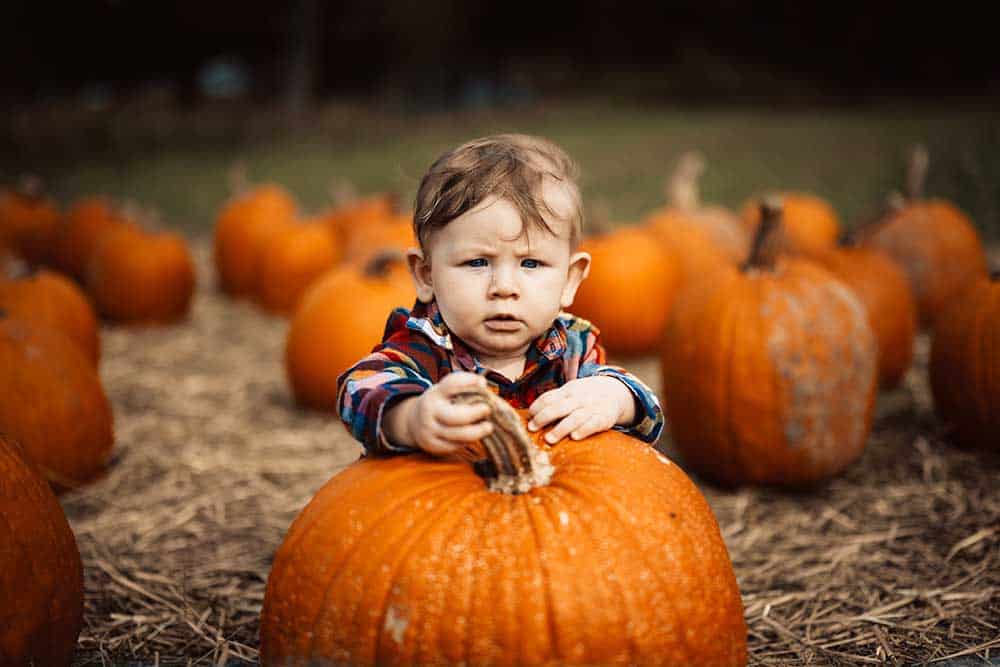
(682, 187)
(916, 174)
(378, 266)
(893, 204)
(513, 464)
(764, 251)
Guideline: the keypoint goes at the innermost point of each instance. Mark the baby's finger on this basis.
(453, 414)
(573, 421)
(555, 410)
(456, 383)
(545, 400)
(591, 425)
(461, 435)
(439, 446)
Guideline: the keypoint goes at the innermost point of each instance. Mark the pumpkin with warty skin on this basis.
(41, 575)
(338, 321)
(934, 242)
(136, 276)
(86, 221)
(294, 260)
(629, 290)
(244, 228)
(52, 402)
(809, 223)
(769, 371)
(598, 551)
(964, 364)
(48, 298)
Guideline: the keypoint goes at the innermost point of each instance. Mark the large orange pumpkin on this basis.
(41, 576)
(769, 371)
(47, 298)
(808, 224)
(141, 277)
(934, 242)
(28, 221)
(52, 402)
(244, 227)
(340, 318)
(293, 261)
(965, 364)
(599, 551)
(630, 289)
(882, 287)
(86, 221)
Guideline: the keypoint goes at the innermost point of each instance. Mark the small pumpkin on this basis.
(294, 260)
(29, 221)
(41, 575)
(965, 357)
(48, 298)
(137, 276)
(52, 402)
(352, 213)
(769, 370)
(599, 551)
(244, 227)
(339, 319)
(934, 242)
(371, 237)
(86, 221)
(809, 223)
(629, 291)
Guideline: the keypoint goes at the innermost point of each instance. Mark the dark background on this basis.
(448, 53)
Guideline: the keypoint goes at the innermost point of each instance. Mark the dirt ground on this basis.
(897, 561)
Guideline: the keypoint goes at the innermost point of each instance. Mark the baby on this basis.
(498, 221)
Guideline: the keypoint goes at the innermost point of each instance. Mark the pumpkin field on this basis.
(812, 295)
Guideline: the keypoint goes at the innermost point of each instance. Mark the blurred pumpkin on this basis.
(934, 242)
(598, 551)
(137, 276)
(808, 224)
(29, 221)
(48, 298)
(338, 321)
(296, 257)
(629, 291)
(351, 213)
(85, 222)
(964, 364)
(53, 404)
(371, 237)
(769, 371)
(41, 575)
(245, 226)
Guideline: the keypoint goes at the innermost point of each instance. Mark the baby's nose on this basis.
(504, 284)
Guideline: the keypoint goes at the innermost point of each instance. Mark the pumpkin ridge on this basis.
(729, 438)
(550, 614)
(330, 583)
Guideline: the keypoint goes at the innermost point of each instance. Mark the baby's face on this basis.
(499, 285)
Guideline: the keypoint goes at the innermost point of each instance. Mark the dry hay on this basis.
(897, 561)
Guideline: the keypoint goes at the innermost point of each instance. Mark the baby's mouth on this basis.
(502, 322)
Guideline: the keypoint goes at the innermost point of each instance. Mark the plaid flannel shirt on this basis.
(417, 351)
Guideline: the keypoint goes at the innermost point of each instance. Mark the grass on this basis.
(850, 157)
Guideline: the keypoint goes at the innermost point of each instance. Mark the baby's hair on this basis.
(512, 167)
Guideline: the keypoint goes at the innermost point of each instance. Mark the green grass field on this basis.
(851, 157)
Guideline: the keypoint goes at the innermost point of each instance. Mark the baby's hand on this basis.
(585, 406)
(438, 426)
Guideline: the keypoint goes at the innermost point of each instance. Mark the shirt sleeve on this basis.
(367, 389)
(649, 420)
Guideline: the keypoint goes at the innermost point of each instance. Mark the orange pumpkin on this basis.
(371, 237)
(360, 213)
(599, 551)
(53, 404)
(965, 357)
(136, 276)
(630, 290)
(28, 221)
(41, 576)
(934, 242)
(245, 226)
(339, 320)
(48, 298)
(86, 221)
(769, 371)
(293, 261)
(809, 223)
(882, 287)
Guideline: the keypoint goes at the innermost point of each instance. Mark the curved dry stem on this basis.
(682, 187)
(764, 251)
(916, 174)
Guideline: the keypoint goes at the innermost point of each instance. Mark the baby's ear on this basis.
(420, 271)
(579, 268)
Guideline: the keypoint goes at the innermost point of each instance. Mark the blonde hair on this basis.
(512, 167)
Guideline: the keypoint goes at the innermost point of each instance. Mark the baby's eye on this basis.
(478, 262)
(530, 263)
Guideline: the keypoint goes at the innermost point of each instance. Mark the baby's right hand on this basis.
(439, 426)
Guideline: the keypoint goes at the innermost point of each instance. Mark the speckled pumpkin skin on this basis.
(41, 576)
(411, 560)
(965, 365)
(769, 376)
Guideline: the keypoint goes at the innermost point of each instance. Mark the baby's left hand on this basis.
(585, 406)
